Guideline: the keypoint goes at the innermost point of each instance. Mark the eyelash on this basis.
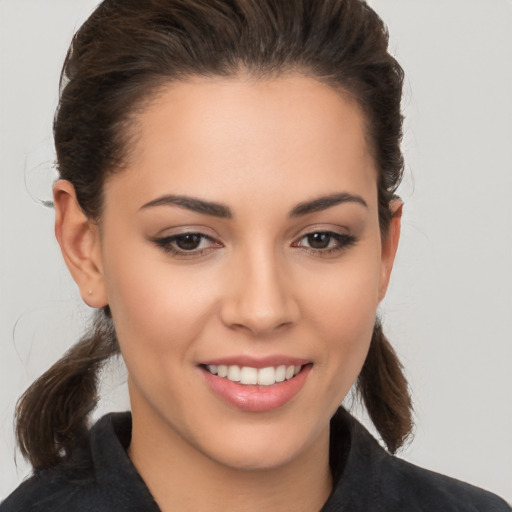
(343, 242)
(168, 244)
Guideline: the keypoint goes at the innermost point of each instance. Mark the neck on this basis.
(182, 478)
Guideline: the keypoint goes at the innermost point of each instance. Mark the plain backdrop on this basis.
(449, 308)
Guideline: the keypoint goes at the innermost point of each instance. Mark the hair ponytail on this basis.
(52, 415)
(383, 387)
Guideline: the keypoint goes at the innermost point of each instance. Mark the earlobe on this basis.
(390, 245)
(78, 238)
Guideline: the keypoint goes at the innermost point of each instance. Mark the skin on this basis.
(253, 287)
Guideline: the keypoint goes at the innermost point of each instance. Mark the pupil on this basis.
(188, 242)
(319, 240)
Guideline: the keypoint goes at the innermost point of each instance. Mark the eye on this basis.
(319, 240)
(187, 244)
(325, 242)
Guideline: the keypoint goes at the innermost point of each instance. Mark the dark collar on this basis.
(101, 477)
(115, 473)
(353, 456)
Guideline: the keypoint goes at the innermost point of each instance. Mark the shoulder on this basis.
(57, 489)
(99, 477)
(404, 486)
(367, 477)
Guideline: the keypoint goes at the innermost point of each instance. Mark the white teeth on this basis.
(234, 373)
(280, 373)
(251, 376)
(248, 375)
(266, 376)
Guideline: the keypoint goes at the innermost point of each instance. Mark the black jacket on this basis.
(102, 478)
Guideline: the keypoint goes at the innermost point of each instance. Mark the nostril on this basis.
(259, 320)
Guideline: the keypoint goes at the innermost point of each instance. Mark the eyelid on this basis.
(185, 229)
(315, 227)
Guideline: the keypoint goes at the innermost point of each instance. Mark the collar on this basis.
(354, 458)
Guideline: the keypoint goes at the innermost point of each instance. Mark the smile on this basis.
(256, 385)
(248, 375)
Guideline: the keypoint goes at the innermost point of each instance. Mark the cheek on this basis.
(346, 294)
(157, 309)
(159, 317)
(342, 313)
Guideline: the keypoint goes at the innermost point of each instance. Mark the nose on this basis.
(260, 296)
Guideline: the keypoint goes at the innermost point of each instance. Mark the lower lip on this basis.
(257, 398)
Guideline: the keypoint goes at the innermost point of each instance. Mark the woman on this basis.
(227, 204)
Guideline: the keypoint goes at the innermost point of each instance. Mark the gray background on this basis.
(448, 310)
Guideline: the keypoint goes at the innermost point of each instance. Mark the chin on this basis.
(265, 447)
(256, 458)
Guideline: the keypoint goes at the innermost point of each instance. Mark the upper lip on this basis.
(256, 362)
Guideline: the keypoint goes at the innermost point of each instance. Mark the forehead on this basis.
(217, 136)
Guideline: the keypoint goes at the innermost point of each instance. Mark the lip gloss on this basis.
(255, 398)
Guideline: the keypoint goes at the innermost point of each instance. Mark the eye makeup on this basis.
(192, 244)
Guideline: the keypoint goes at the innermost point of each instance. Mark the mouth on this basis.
(256, 386)
(250, 376)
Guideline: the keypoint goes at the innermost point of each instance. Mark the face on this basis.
(241, 256)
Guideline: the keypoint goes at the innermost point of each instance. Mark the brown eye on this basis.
(325, 243)
(188, 242)
(319, 240)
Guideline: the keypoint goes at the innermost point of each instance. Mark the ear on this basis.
(390, 245)
(78, 237)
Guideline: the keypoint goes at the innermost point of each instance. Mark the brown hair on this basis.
(119, 59)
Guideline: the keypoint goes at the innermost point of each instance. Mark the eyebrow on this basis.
(223, 211)
(324, 202)
(192, 203)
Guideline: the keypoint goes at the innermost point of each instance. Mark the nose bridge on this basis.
(260, 297)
